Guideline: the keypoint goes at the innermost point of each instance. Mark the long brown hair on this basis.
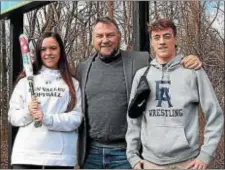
(63, 66)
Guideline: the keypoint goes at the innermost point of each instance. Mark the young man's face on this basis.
(106, 39)
(163, 43)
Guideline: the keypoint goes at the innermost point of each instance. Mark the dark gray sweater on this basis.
(107, 102)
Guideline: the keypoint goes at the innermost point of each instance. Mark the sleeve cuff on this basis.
(134, 160)
(204, 157)
(27, 117)
(47, 119)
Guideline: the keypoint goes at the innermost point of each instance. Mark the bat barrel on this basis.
(28, 68)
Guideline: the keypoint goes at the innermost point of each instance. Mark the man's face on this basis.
(163, 43)
(106, 39)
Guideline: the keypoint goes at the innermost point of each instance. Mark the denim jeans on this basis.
(106, 158)
(27, 166)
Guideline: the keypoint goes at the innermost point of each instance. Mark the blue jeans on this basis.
(106, 158)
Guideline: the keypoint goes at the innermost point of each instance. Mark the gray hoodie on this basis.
(168, 130)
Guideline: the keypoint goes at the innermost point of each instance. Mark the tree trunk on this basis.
(4, 103)
(111, 9)
(155, 9)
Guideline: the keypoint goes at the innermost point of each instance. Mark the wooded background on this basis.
(200, 32)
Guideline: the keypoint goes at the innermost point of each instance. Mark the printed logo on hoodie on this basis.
(162, 93)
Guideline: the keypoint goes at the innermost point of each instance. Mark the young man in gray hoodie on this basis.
(167, 133)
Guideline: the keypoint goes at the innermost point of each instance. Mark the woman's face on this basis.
(50, 53)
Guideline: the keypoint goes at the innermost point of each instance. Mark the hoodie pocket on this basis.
(40, 140)
(165, 141)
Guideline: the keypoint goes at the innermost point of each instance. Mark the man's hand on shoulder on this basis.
(191, 62)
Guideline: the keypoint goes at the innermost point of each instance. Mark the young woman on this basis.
(57, 105)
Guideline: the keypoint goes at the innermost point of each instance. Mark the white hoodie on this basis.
(55, 142)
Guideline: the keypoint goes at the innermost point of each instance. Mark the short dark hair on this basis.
(161, 24)
(107, 20)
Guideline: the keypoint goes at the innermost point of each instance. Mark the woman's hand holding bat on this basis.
(34, 110)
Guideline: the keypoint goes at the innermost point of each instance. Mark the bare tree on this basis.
(111, 9)
(4, 97)
(74, 20)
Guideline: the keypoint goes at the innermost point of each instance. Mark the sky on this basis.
(211, 12)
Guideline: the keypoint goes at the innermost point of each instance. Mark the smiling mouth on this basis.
(50, 58)
(105, 46)
(162, 48)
